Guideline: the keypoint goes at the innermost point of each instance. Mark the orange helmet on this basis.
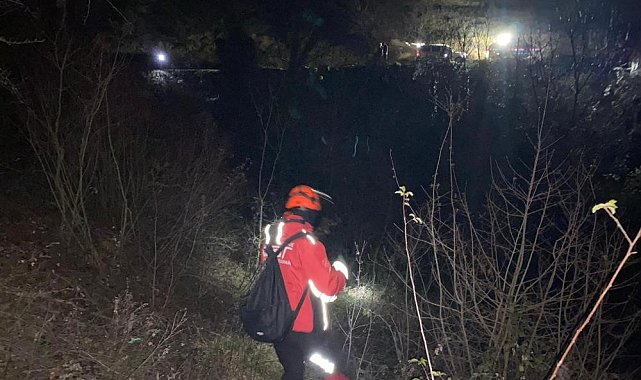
(303, 196)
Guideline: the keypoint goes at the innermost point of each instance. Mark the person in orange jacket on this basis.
(304, 264)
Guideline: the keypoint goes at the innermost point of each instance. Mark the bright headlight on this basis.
(503, 39)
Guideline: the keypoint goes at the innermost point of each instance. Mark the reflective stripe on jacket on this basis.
(304, 262)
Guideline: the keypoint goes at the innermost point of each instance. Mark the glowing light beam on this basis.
(503, 39)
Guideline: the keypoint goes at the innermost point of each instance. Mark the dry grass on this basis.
(61, 321)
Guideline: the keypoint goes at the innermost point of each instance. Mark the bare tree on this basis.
(65, 115)
(273, 134)
(512, 286)
(610, 208)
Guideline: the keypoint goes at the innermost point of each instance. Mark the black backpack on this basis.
(266, 313)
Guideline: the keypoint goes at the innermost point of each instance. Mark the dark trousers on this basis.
(296, 349)
(292, 353)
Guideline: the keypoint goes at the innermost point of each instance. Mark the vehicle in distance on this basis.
(519, 51)
(440, 53)
(435, 52)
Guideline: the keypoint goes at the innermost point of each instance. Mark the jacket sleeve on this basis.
(318, 269)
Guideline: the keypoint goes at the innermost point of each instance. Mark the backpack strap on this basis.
(270, 251)
(300, 304)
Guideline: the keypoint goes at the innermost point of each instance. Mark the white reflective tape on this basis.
(325, 318)
(311, 239)
(279, 234)
(326, 364)
(323, 297)
(324, 300)
(267, 235)
(341, 267)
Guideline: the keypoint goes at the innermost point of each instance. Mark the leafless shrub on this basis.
(133, 342)
(64, 101)
(373, 315)
(191, 192)
(511, 287)
(501, 292)
(91, 134)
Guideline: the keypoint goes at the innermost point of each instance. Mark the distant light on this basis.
(503, 39)
(418, 44)
(161, 57)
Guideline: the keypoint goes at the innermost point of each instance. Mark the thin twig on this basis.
(599, 301)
